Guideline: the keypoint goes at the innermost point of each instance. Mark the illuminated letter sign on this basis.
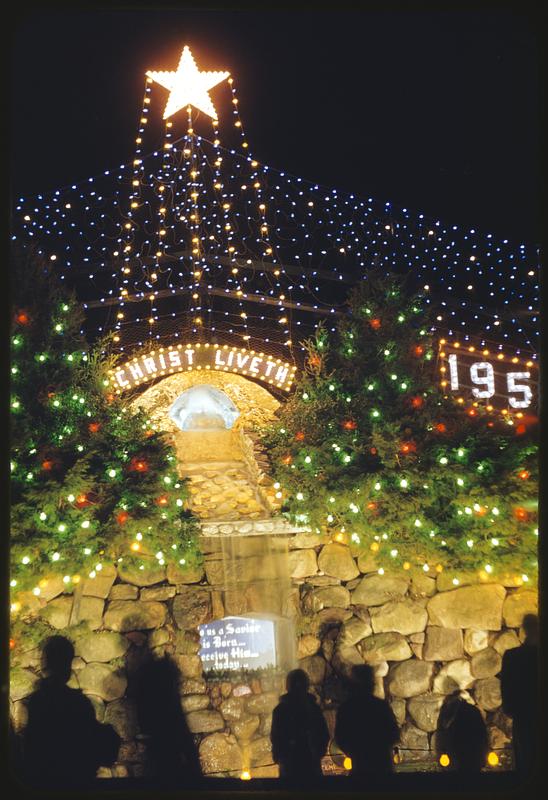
(481, 375)
(181, 358)
(235, 643)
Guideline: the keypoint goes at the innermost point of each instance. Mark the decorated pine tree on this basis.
(369, 450)
(91, 481)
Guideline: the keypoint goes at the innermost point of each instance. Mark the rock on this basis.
(22, 683)
(102, 680)
(444, 580)
(417, 638)
(54, 587)
(329, 616)
(413, 738)
(315, 667)
(328, 597)
(416, 649)
(192, 686)
(302, 563)
(410, 678)
(335, 560)
(101, 585)
(424, 710)
(232, 708)
(187, 642)
(487, 694)
(194, 702)
(442, 644)
(327, 580)
(244, 729)
(191, 607)
(498, 740)
(204, 721)
(175, 573)
(344, 658)
(262, 703)
(260, 752)
(516, 605)
(98, 706)
(160, 593)
(123, 591)
(242, 690)
(452, 676)
(305, 540)
(19, 715)
(90, 610)
(486, 663)
(190, 665)
(384, 647)
(398, 706)
(122, 715)
(475, 640)
(57, 612)
(215, 573)
(134, 615)
(422, 585)
(374, 590)
(367, 561)
(307, 645)
(353, 631)
(506, 641)
(400, 616)
(158, 637)
(102, 646)
(141, 577)
(219, 752)
(470, 607)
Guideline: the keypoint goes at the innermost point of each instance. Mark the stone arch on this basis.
(228, 474)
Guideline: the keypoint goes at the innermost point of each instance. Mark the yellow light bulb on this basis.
(444, 760)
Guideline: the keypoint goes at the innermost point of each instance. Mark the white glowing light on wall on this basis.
(203, 406)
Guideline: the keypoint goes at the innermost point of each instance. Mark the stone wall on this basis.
(424, 635)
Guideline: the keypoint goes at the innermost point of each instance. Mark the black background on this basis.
(436, 110)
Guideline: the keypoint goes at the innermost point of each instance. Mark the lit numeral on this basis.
(453, 372)
(487, 380)
(511, 379)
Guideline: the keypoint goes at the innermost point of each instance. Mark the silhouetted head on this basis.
(57, 655)
(297, 681)
(530, 628)
(363, 678)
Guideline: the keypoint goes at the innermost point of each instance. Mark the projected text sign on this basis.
(237, 643)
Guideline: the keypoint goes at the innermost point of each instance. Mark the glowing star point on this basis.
(188, 86)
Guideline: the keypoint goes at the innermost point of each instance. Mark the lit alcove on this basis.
(203, 407)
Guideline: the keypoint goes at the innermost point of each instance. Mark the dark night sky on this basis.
(434, 110)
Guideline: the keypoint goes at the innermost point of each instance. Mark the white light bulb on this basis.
(56, 557)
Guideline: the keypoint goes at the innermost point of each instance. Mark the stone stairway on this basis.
(224, 491)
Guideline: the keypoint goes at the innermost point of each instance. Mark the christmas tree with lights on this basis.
(371, 452)
(91, 481)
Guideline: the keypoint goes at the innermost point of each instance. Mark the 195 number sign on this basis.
(479, 375)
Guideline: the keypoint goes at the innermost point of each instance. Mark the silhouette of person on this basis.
(462, 734)
(299, 732)
(365, 727)
(171, 751)
(519, 689)
(62, 742)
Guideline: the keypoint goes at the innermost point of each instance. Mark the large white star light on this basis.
(188, 86)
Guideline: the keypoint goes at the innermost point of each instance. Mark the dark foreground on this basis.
(418, 784)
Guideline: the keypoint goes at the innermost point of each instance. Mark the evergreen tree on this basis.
(91, 481)
(370, 450)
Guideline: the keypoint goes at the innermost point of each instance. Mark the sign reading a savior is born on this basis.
(234, 643)
(183, 358)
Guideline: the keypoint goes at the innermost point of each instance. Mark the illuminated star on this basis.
(188, 86)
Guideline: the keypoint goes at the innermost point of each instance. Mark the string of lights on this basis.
(207, 238)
